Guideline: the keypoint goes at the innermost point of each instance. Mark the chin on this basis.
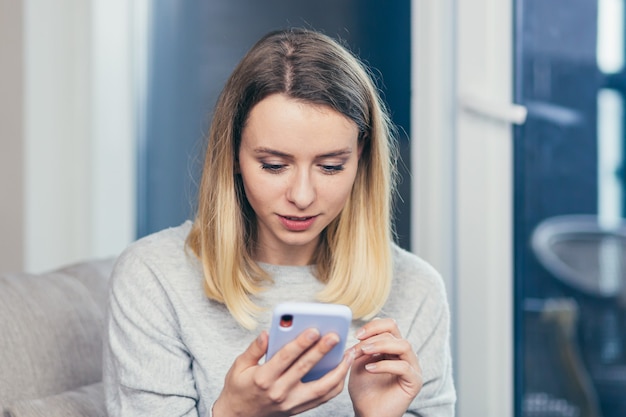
(301, 241)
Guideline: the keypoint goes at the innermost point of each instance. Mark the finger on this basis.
(296, 396)
(318, 399)
(388, 346)
(341, 370)
(311, 357)
(375, 344)
(255, 351)
(327, 387)
(289, 353)
(378, 326)
(410, 379)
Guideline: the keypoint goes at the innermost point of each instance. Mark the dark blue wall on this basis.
(195, 45)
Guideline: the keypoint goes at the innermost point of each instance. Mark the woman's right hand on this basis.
(275, 388)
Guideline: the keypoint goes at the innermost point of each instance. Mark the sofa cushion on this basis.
(51, 329)
(82, 402)
(94, 275)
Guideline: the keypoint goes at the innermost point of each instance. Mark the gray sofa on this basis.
(51, 328)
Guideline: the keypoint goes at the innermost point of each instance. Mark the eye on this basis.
(332, 169)
(273, 168)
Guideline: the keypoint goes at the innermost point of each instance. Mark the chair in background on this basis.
(556, 381)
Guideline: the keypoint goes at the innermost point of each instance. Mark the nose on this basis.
(301, 191)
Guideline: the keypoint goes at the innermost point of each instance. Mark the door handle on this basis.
(499, 111)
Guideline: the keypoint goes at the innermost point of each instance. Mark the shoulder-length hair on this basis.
(353, 258)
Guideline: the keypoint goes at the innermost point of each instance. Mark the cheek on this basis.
(260, 191)
(337, 194)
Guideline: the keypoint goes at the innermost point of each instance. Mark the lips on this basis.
(297, 224)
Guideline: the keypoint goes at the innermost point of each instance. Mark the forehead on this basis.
(292, 125)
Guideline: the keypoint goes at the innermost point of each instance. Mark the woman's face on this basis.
(298, 162)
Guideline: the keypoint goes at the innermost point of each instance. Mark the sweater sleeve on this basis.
(147, 369)
(430, 336)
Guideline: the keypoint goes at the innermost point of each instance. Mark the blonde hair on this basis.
(353, 258)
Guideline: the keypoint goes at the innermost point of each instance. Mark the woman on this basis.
(294, 205)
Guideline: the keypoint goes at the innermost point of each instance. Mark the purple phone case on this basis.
(324, 317)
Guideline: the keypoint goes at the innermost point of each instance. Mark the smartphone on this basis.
(291, 319)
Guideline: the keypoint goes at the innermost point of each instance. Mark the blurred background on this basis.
(511, 128)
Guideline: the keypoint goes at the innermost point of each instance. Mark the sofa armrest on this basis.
(51, 329)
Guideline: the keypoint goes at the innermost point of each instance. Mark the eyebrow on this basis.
(339, 152)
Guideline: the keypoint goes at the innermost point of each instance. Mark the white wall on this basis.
(57, 132)
(74, 144)
(116, 59)
(462, 62)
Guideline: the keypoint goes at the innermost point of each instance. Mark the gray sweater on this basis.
(169, 347)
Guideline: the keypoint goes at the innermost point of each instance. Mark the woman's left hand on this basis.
(385, 376)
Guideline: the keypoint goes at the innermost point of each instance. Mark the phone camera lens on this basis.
(286, 320)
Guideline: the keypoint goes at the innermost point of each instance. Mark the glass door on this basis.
(569, 208)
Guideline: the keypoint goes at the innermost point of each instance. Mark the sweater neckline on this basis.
(287, 269)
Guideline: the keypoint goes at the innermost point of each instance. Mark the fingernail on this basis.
(312, 335)
(367, 348)
(370, 366)
(332, 340)
(259, 339)
(360, 333)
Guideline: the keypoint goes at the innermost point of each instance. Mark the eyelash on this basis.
(273, 168)
(332, 169)
(277, 168)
